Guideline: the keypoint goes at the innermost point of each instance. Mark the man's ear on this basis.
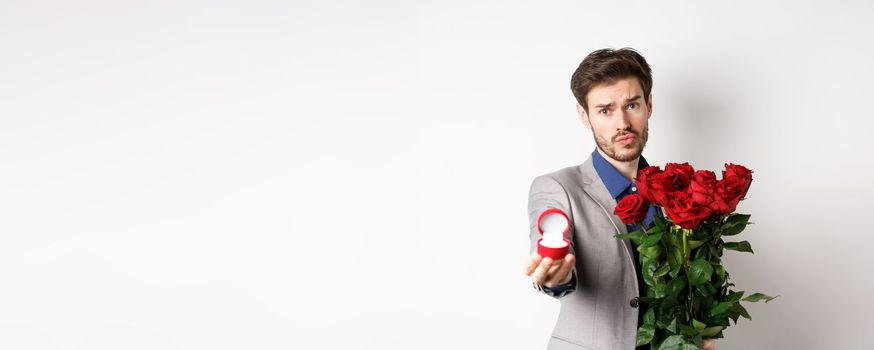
(584, 116)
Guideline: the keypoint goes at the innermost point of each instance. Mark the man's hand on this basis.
(550, 273)
(709, 344)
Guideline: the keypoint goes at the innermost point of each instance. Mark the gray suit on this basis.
(597, 312)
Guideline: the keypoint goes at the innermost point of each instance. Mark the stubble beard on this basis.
(609, 148)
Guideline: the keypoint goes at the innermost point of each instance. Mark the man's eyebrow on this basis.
(635, 97)
(632, 98)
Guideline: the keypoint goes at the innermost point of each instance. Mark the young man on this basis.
(598, 282)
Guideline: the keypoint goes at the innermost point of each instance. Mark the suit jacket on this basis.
(598, 312)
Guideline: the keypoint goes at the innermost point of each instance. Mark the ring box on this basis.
(553, 225)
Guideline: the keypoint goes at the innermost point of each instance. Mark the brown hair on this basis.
(608, 66)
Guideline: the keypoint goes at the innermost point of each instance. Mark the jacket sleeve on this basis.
(546, 193)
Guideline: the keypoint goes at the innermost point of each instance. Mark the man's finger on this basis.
(541, 270)
(533, 262)
(564, 269)
(558, 264)
(555, 266)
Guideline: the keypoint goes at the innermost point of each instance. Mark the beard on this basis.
(623, 153)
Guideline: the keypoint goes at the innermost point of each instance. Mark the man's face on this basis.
(618, 118)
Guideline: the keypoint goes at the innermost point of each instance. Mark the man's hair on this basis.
(608, 66)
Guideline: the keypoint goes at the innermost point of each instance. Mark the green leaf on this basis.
(647, 268)
(651, 239)
(710, 331)
(675, 258)
(676, 286)
(737, 310)
(698, 324)
(652, 252)
(684, 346)
(735, 224)
(733, 297)
(719, 309)
(672, 342)
(661, 271)
(673, 326)
(660, 222)
(701, 253)
(645, 334)
(735, 219)
(706, 289)
(712, 249)
(759, 296)
(667, 306)
(694, 244)
(698, 341)
(733, 230)
(720, 272)
(633, 236)
(700, 272)
(742, 246)
(649, 317)
(688, 330)
(657, 291)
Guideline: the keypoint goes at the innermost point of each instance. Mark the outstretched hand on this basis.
(550, 273)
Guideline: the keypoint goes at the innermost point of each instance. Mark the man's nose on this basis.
(622, 122)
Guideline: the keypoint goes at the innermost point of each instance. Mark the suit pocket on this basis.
(560, 343)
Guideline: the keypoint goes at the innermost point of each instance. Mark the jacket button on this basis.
(635, 302)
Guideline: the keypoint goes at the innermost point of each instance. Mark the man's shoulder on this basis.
(569, 176)
(563, 173)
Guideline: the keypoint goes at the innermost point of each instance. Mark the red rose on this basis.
(642, 181)
(740, 172)
(631, 209)
(703, 191)
(731, 190)
(683, 211)
(656, 183)
(659, 184)
(681, 173)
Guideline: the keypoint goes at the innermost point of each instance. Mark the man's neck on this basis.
(627, 169)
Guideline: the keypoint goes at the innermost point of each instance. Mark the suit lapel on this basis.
(594, 187)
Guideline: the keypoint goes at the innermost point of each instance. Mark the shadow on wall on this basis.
(706, 105)
(706, 117)
(707, 112)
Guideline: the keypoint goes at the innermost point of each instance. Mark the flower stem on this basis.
(685, 251)
(686, 262)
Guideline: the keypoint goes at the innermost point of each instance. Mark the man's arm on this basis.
(554, 278)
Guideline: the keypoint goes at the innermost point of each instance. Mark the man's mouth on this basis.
(625, 139)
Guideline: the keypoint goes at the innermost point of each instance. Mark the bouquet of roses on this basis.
(688, 297)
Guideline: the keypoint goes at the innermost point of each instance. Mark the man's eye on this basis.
(603, 111)
(631, 105)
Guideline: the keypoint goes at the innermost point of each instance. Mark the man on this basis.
(599, 281)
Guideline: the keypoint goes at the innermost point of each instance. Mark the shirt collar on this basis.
(615, 182)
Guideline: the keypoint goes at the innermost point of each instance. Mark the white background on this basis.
(351, 174)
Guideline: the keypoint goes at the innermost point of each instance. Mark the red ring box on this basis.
(553, 215)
